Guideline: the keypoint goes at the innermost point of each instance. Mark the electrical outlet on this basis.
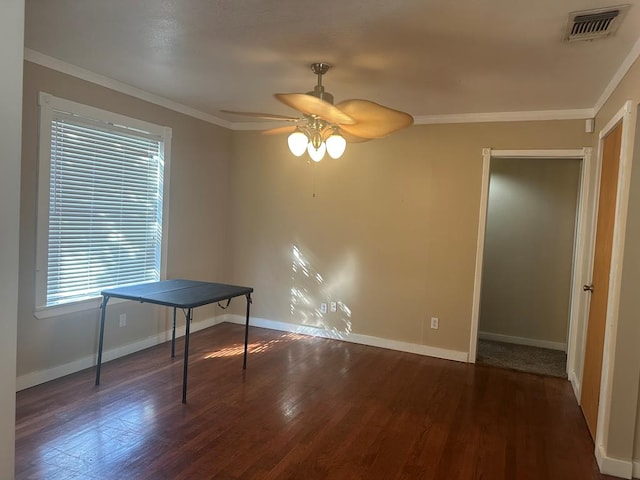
(334, 307)
(323, 308)
(123, 319)
(435, 323)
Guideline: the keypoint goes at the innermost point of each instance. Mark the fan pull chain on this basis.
(313, 175)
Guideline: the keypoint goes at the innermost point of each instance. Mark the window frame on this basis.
(48, 104)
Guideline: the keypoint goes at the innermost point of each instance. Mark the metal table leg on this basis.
(173, 336)
(186, 357)
(103, 310)
(246, 332)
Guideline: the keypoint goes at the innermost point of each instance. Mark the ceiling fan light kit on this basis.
(316, 153)
(298, 143)
(317, 139)
(336, 145)
(325, 127)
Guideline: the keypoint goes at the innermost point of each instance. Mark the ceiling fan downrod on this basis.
(318, 91)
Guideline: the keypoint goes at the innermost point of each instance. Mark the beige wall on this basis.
(198, 239)
(622, 427)
(392, 228)
(528, 251)
(12, 28)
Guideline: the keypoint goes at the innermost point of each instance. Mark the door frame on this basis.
(615, 275)
(581, 261)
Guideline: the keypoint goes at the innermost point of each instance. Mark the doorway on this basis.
(528, 258)
(582, 266)
(579, 260)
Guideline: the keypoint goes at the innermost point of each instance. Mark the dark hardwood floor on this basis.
(305, 408)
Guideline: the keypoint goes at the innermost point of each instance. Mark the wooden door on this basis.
(592, 371)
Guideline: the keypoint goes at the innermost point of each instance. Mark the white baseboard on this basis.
(353, 338)
(42, 376)
(531, 342)
(36, 378)
(636, 468)
(614, 466)
(575, 384)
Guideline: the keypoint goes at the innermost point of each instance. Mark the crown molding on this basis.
(121, 87)
(576, 114)
(617, 78)
(522, 116)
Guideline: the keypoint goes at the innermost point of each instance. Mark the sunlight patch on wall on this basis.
(315, 301)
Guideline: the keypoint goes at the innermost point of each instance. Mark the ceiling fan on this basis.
(325, 127)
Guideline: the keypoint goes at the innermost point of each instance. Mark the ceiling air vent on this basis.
(592, 24)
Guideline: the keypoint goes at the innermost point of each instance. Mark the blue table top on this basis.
(178, 293)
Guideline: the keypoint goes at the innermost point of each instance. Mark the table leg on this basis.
(173, 336)
(103, 310)
(186, 356)
(246, 332)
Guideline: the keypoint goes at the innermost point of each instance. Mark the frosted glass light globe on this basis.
(316, 154)
(297, 143)
(336, 145)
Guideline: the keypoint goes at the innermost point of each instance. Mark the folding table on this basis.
(184, 294)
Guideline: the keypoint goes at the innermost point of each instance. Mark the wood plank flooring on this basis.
(306, 408)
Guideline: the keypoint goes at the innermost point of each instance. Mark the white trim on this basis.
(121, 87)
(351, 337)
(535, 115)
(615, 274)
(38, 58)
(73, 307)
(548, 153)
(477, 280)
(42, 200)
(613, 466)
(575, 384)
(41, 376)
(617, 78)
(118, 86)
(576, 275)
(636, 468)
(35, 378)
(46, 100)
(48, 104)
(531, 342)
(582, 262)
(166, 189)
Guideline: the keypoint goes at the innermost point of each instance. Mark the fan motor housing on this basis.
(320, 68)
(321, 94)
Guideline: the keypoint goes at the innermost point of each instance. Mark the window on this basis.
(101, 195)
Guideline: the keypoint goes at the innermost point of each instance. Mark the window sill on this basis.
(69, 308)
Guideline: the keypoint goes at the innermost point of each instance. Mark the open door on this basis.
(599, 286)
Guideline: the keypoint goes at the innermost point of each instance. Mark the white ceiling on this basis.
(431, 58)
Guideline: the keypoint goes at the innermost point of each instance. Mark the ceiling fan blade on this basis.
(310, 105)
(280, 130)
(373, 120)
(353, 138)
(265, 116)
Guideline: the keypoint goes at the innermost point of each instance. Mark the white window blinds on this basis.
(105, 208)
